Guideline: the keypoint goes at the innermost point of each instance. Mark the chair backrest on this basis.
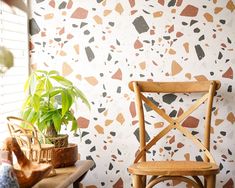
(24, 131)
(207, 87)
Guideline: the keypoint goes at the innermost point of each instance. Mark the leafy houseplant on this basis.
(49, 102)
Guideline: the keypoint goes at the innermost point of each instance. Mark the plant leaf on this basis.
(55, 91)
(26, 85)
(46, 117)
(25, 113)
(35, 102)
(82, 97)
(48, 85)
(53, 72)
(40, 86)
(56, 117)
(66, 102)
(31, 116)
(74, 125)
(63, 81)
(42, 126)
(26, 103)
(32, 83)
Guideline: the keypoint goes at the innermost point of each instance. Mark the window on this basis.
(14, 36)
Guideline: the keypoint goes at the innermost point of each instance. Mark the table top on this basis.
(66, 176)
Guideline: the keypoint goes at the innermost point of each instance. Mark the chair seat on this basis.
(174, 168)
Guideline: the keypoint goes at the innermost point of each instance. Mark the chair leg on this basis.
(136, 180)
(39, 154)
(143, 181)
(210, 181)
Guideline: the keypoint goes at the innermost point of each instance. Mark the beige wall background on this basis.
(101, 46)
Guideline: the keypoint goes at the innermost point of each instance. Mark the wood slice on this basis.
(28, 173)
(66, 156)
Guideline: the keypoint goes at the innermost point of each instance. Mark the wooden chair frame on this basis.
(139, 174)
(28, 140)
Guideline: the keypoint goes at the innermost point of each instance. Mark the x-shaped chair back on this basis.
(207, 87)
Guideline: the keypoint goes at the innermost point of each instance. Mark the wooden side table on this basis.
(67, 176)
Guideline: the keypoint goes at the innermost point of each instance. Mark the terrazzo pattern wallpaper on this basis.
(102, 45)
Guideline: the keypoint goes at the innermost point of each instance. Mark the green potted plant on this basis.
(49, 102)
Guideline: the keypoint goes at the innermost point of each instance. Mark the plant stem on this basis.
(51, 132)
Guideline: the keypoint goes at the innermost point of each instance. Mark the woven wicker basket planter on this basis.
(65, 156)
(59, 141)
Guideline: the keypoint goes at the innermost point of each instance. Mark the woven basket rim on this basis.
(59, 141)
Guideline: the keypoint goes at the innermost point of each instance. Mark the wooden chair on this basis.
(174, 170)
(27, 137)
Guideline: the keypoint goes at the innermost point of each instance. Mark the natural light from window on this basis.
(14, 36)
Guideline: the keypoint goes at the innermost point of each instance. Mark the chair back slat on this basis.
(211, 92)
(143, 150)
(156, 109)
(141, 119)
(174, 87)
(140, 87)
(194, 107)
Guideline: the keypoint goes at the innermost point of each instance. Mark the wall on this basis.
(101, 46)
